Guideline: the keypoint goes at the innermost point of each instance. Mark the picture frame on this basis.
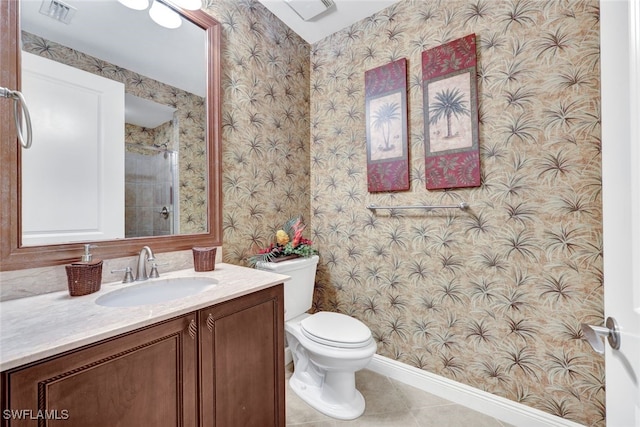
(386, 127)
(450, 105)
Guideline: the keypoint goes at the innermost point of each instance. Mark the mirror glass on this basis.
(118, 106)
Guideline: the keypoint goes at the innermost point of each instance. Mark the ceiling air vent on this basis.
(308, 9)
(58, 10)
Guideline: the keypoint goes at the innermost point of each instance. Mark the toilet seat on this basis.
(335, 330)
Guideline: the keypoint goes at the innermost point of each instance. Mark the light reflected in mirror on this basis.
(135, 169)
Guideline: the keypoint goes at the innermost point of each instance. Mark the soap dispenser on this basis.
(87, 256)
(84, 276)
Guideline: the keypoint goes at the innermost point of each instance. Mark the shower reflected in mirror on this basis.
(151, 190)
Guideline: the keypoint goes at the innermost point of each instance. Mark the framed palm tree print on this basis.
(452, 158)
(386, 127)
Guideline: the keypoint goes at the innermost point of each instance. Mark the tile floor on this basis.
(390, 403)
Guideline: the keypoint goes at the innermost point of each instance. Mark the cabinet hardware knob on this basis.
(210, 322)
(193, 329)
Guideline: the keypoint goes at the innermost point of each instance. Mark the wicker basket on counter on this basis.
(204, 259)
(84, 279)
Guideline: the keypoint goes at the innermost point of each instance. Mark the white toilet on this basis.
(327, 348)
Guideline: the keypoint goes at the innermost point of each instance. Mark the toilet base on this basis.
(312, 395)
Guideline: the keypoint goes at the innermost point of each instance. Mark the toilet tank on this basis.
(298, 291)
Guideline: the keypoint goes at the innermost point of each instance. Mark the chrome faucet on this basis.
(146, 254)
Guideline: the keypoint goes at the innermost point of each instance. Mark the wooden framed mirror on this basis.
(14, 254)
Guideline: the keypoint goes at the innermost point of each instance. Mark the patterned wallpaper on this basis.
(265, 120)
(492, 297)
(190, 116)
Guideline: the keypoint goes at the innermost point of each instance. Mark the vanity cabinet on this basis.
(220, 366)
(242, 361)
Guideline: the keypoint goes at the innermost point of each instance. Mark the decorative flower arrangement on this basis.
(289, 243)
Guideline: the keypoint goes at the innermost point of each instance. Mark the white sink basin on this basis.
(155, 291)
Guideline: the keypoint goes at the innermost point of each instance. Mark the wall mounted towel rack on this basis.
(461, 206)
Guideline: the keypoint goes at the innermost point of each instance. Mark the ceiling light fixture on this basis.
(164, 16)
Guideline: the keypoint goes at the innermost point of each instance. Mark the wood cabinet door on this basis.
(143, 378)
(242, 361)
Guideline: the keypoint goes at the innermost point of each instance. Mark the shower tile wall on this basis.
(148, 182)
(149, 179)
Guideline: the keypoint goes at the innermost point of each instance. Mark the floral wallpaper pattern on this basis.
(492, 297)
(265, 125)
(190, 116)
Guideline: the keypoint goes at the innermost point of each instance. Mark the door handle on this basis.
(593, 334)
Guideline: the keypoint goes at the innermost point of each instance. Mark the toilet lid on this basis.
(335, 330)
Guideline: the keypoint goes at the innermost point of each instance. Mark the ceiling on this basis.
(341, 15)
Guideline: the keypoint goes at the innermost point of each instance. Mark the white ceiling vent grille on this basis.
(308, 9)
(58, 10)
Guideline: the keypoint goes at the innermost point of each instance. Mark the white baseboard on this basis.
(498, 407)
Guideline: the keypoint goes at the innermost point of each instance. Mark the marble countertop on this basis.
(45, 325)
